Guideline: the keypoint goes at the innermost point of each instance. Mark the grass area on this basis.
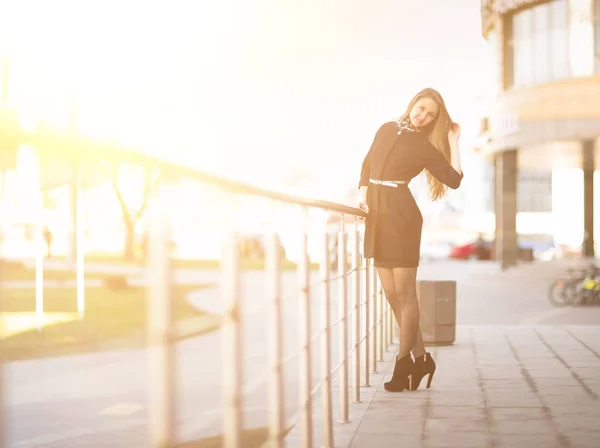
(15, 271)
(16, 322)
(251, 438)
(246, 264)
(113, 319)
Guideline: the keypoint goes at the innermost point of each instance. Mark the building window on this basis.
(495, 86)
(597, 35)
(540, 44)
(534, 191)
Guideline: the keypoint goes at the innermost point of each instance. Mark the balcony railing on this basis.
(363, 325)
(489, 7)
(346, 344)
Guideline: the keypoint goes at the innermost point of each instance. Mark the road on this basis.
(100, 400)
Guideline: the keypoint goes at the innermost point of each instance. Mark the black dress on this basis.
(394, 223)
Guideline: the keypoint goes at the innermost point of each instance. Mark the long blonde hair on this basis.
(438, 136)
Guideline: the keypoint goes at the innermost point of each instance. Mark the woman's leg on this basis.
(406, 293)
(386, 275)
(388, 283)
(404, 365)
(419, 348)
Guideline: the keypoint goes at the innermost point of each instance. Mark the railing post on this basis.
(326, 398)
(391, 322)
(343, 324)
(276, 338)
(79, 243)
(39, 261)
(161, 362)
(381, 319)
(2, 402)
(305, 338)
(356, 313)
(386, 324)
(366, 373)
(374, 314)
(232, 345)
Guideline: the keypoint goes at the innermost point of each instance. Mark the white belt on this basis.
(388, 183)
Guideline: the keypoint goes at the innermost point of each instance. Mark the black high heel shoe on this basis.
(424, 365)
(401, 379)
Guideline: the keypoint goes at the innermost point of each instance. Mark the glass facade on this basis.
(534, 191)
(540, 44)
(597, 36)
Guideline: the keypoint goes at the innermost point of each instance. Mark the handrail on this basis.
(234, 186)
(112, 151)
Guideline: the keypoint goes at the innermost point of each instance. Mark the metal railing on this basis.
(364, 327)
(363, 321)
(363, 324)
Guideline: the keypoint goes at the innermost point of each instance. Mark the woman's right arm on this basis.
(365, 172)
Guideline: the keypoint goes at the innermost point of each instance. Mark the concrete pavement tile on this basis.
(534, 352)
(562, 381)
(501, 373)
(371, 425)
(408, 400)
(550, 364)
(456, 396)
(580, 400)
(563, 372)
(587, 373)
(502, 360)
(589, 361)
(397, 415)
(455, 371)
(593, 385)
(399, 400)
(470, 389)
(558, 410)
(451, 425)
(584, 440)
(507, 398)
(527, 440)
(456, 412)
(535, 355)
(517, 414)
(523, 427)
(387, 441)
(458, 440)
(460, 355)
(458, 400)
(561, 390)
(514, 401)
(512, 383)
(576, 423)
(453, 381)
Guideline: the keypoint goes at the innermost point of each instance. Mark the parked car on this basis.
(484, 250)
(475, 250)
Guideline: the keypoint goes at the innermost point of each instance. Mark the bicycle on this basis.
(581, 287)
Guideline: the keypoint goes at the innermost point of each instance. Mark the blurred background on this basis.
(98, 97)
(288, 95)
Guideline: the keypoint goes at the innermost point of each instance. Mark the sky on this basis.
(257, 90)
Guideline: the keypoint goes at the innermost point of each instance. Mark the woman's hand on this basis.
(454, 133)
(362, 199)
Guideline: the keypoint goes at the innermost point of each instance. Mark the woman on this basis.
(424, 138)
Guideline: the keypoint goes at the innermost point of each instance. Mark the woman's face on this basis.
(423, 112)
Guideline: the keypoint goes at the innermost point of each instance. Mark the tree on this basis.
(133, 185)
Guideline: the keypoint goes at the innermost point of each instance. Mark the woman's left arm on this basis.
(450, 173)
(453, 137)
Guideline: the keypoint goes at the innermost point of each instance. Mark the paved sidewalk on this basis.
(495, 387)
